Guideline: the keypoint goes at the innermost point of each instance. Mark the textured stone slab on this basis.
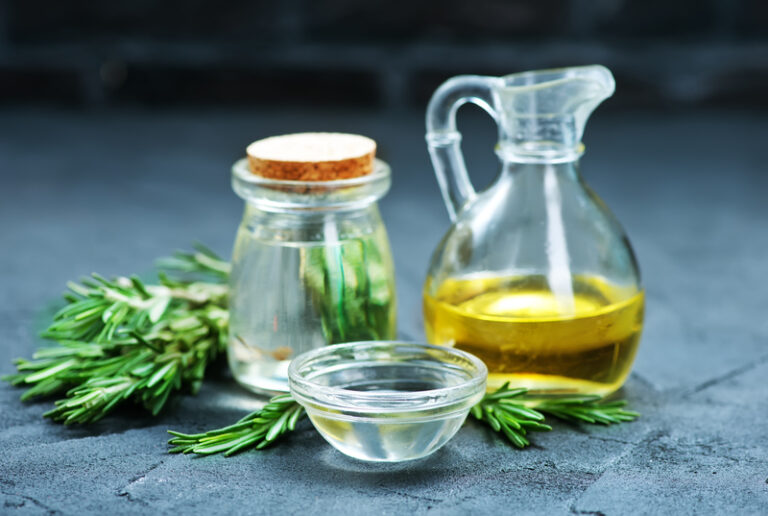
(111, 192)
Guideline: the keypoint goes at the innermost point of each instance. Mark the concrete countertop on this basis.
(112, 191)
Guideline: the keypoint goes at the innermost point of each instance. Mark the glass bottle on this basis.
(311, 266)
(535, 276)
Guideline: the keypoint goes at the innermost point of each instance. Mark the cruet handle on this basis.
(444, 141)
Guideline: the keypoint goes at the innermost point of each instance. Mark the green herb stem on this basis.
(256, 430)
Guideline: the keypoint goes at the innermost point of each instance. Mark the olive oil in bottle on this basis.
(581, 343)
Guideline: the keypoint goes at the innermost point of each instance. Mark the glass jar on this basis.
(311, 267)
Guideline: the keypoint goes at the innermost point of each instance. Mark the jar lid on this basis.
(312, 156)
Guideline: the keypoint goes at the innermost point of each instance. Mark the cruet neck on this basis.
(542, 114)
(513, 171)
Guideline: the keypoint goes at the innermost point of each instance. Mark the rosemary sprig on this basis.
(122, 339)
(256, 430)
(505, 410)
(512, 418)
(508, 411)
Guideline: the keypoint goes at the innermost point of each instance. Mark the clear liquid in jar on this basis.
(297, 296)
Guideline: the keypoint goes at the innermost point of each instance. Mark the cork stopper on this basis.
(312, 156)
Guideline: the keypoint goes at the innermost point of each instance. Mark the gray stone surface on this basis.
(110, 192)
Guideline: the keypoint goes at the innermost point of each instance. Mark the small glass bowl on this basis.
(387, 401)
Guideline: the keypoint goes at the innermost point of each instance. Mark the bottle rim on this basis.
(281, 194)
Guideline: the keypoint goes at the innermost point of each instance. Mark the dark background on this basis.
(373, 53)
(119, 122)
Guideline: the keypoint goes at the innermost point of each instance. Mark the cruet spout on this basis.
(542, 114)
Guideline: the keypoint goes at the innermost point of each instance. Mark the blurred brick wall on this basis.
(664, 53)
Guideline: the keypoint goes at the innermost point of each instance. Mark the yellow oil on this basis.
(582, 343)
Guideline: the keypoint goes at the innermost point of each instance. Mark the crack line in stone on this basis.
(645, 381)
(34, 501)
(727, 376)
(648, 436)
(123, 491)
(409, 495)
(610, 439)
(574, 510)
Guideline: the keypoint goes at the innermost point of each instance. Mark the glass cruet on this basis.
(535, 275)
(311, 266)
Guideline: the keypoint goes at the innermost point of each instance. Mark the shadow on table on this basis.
(332, 467)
